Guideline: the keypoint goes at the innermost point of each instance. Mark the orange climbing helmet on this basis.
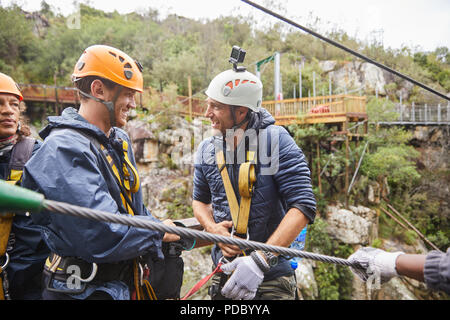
(8, 85)
(109, 63)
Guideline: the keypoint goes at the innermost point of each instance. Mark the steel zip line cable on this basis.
(337, 44)
(136, 221)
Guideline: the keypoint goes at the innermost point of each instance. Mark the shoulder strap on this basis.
(20, 154)
(240, 213)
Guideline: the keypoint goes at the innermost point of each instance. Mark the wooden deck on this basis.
(326, 109)
(336, 109)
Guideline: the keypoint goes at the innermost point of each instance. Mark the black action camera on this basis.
(237, 56)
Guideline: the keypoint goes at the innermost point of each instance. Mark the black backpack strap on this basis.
(21, 153)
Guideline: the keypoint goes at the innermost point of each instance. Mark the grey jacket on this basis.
(437, 270)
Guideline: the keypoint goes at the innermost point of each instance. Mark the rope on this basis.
(139, 222)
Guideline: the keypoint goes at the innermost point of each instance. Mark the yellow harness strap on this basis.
(130, 188)
(5, 228)
(240, 213)
(6, 220)
(126, 169)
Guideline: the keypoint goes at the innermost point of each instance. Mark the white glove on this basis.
(244, 281)
(375, 263)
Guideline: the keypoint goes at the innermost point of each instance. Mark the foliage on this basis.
(174, 47)
(333, 281)
(437, 63)
(381, 110)
(392, 162)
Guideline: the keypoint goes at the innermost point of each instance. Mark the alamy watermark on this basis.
(235, 144)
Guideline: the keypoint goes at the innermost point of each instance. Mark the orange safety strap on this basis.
(202, 282)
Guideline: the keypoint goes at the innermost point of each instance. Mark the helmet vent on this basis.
(128, 74)
(112, 53)
(226, 91)
(229, 85)
(139, 65)
(127, 66)
(81, 65)
(121, 59)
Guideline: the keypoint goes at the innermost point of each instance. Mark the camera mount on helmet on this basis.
(237, 56)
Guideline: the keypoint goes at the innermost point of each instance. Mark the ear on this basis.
(98, 89)
(241, 113)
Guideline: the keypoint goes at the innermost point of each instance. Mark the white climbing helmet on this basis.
(236, 88)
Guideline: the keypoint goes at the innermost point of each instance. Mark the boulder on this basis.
(306, 281)
(348, 227)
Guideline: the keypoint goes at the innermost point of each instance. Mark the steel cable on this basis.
(340, 46)
(140, 222)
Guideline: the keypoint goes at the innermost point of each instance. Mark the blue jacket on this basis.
(26, 249)
(69, 168)
(275, 191)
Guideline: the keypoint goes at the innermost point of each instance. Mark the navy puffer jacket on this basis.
(282, 183)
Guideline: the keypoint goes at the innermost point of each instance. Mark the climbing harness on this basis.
(128, 183)
(20, 153)
(247, 177)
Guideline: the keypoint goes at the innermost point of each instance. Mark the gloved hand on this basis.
(244, 281)
(375, 263)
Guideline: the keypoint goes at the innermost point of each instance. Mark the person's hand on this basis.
(374, 263)
(244, 281)
(222, 228)
(170, 237)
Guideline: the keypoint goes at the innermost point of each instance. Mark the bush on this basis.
(334, 282)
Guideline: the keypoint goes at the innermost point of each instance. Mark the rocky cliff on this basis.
(167, 188)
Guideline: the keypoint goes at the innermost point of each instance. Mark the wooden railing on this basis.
(323, 109)
(48, 93)
(305, 110)
(304, 106)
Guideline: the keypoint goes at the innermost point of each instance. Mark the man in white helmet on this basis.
(282, 201)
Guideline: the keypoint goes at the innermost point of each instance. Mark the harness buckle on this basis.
(233, 231)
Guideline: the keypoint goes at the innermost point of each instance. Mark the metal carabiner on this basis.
(91, 277)
(223, 260)
(233, 231)
(6, 262)
(141, 274)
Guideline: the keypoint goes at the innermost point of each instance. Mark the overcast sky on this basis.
(421, 24)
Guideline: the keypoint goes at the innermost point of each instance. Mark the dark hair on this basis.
(24, 130)
(84, 84)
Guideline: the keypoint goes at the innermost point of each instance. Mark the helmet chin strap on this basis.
(110, 105)
(246, 119)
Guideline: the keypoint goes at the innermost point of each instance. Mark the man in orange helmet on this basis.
(87, 160)
(22, 251)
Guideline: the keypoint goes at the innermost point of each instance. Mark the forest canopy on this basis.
(43, 46)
